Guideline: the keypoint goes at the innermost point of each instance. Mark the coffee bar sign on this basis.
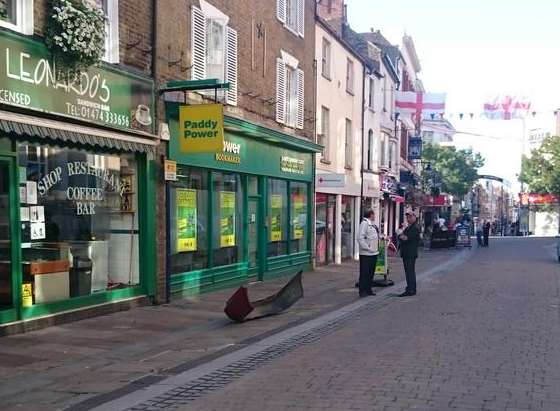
(85, 198)
(104, 96)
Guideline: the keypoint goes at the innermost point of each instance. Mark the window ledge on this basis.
(350, 92)
(326, 76)
(348, 167)
(325, 161)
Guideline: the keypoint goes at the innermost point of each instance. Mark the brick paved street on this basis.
(60, 366)
(483, 337)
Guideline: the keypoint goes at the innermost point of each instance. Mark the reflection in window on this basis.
(227, 218)
(278, 217)
(188, 205)
(8, 11)
(79, 221)
(299, 217)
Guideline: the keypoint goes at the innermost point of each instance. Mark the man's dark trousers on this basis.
(367, 267)
(410, 273)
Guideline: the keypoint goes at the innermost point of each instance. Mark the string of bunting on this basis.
(471, 115)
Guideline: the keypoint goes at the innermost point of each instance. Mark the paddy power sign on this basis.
(201, 128)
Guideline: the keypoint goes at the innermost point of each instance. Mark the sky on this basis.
(476, 49)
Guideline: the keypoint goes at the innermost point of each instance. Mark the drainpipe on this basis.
(363, 144)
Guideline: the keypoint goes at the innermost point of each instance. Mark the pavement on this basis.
(482, 335)
(89, 363)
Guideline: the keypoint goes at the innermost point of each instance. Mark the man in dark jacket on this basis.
(409, 241)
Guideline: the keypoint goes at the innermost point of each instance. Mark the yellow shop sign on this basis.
(201, 128)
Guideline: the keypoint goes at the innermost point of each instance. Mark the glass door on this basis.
(8, 241)
(253, 233)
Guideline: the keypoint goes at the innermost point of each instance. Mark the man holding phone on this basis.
(409, 241)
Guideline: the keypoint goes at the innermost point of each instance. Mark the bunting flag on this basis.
(507, 107)
(418, 104)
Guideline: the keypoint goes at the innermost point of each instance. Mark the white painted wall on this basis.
(332, 93)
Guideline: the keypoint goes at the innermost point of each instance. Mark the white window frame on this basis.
(298, 6)
(24, 18)
(325, 132)
(284, 65)
(383, 147)
(326, 58)
(348, 160)
(201, 16)
(370, 148)
(349, 76)
(219, 22)
(371, 94)
(112, 52)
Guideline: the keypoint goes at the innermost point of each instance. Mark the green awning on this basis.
(26, 126)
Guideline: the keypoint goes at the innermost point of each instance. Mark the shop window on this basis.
(111, 10)
(5, 144)
(79, 221)
(17, 15)
(227, 218)
(278, 217)
(188, 205)
(299, 226)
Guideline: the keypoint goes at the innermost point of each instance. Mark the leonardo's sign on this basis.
(108, 97)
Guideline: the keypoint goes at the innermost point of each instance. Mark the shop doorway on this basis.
(8, 241)
(253, 236)
(324, 228)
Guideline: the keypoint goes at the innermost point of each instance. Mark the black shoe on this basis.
(405, 294)
(362, 295)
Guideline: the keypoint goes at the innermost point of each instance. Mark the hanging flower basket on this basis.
(75, 36)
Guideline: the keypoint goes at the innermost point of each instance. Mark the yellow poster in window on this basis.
(27, 294)
(227, 219)
(186, 220)
(276, 217)
(299, 216)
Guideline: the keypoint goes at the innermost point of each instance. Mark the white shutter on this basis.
(301, 100)
(281, 10)
(231, 65)
(280, 91)
(198, 44)
(301, 17)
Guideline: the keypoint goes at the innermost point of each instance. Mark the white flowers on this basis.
(76, 35)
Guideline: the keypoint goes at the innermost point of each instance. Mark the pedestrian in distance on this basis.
(479, 236)
(368, 241)
(409, 241)
(486, 232)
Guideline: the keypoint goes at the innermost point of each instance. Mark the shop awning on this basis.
(34, 127)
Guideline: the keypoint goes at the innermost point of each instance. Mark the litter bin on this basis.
(80, 277)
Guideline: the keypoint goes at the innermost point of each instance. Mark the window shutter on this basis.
(301, 17)
(280, 91)
(301, 101)
(198, 44)
(231, 65)
(281, 10)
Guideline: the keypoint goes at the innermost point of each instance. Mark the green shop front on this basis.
(241, 213)
(76, 186)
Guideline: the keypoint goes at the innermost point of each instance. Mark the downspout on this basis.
(155, 75)
(363, 144)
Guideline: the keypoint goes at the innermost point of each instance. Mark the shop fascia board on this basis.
(132, 136)
(237, 125)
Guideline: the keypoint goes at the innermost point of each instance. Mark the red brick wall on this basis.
(256, 65)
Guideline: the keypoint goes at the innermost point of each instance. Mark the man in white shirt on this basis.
(368, 241)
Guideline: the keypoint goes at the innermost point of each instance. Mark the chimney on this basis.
(331, 9)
